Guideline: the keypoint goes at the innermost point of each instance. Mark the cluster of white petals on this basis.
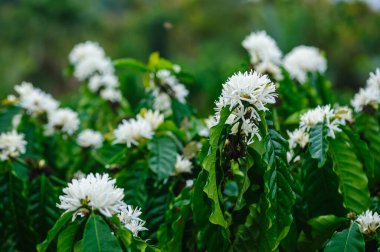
(64, 120)
(264, 53)
(302, 60)
(34, 100)
(245, 94)
(130, 132)
(298, 137)
(12, 145)
(369, 222)
(164, 85)
(90, 138)
(97, 192)
(370, 95)
(182, 165)
(91, 63)
(130, 218)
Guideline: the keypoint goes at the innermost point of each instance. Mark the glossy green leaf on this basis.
(66, 239)
(130, 63)
(353, 182)
(162, 156)
(57, 228)
(97, 236)
(318, 144)
(348, 240)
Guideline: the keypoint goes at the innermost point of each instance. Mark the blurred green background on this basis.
(204, 37)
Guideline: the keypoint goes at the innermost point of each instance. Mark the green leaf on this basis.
(130, 63)
(318, 144)
(98, 237)
(162, 156)
(59, 225)
(209, 164)
(180, 111)
(43, 211)
(278, 198)
(66, 239)
(353, 182)
(6, 116)
(15, 220)
(349, 240)
(320, 189)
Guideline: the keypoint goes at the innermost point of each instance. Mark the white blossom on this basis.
(85, 50)
(154, 118)
(64, 119)
(368, 222)
(298, 137)
(171, 85)
(97, 192)
(136, 226)
(162, 103)
(374, 79)
(264, 52)
(369, 96)
(12, 145)
(90, 138)
(302, 60)
(111, 94)
(91, 66)
(107, 81)
(182, 165)
(130, 218)
(34, 100)
(132, 131)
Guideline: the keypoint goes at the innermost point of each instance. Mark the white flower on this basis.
(128, 213)
(162, 103)
(262, 48)
(180, 92)
(12, 145)
(302, 60)
(183, 165)
(211, 121)
(93, 65)
(107, 81)
(250, 87)
(189, 183)
(85, 50)
(368, 222)
(290, 157)
(132, 131)
(90, 138)
(374, 79)
(176, 68)
(34, 100)
(344, 114)
(63, 119)
(135, 226)
(298, 137)
(369, 96)
(154, 118)
(170, 82)
(111, 94)
(97, 192)
(16, 120)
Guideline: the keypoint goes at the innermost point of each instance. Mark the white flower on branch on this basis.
(12, 145)
(182, 165)
(370, 95)
(111, 94)
(302, 60)
(95, 192)
(85, 50)
(369, 222)
(64, 119)
(154, 118)
(107, 81)
(90, 138)
(132, 131)
(298, 137)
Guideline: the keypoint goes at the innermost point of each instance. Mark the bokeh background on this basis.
(203, 36)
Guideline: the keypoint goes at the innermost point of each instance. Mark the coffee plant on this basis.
(279, 166)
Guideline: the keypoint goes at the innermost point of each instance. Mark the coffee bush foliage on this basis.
(279, 166)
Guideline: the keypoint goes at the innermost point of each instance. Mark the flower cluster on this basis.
(245, 94)
(130, 132)
(99, 193)
(368, 222)
(368, 97)
(182, 165)
(37, 103)
(91, 63)
(90, 138)
(264, 52)
(12, 145)
(331, 117)
(164, 85)
(302, 60)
